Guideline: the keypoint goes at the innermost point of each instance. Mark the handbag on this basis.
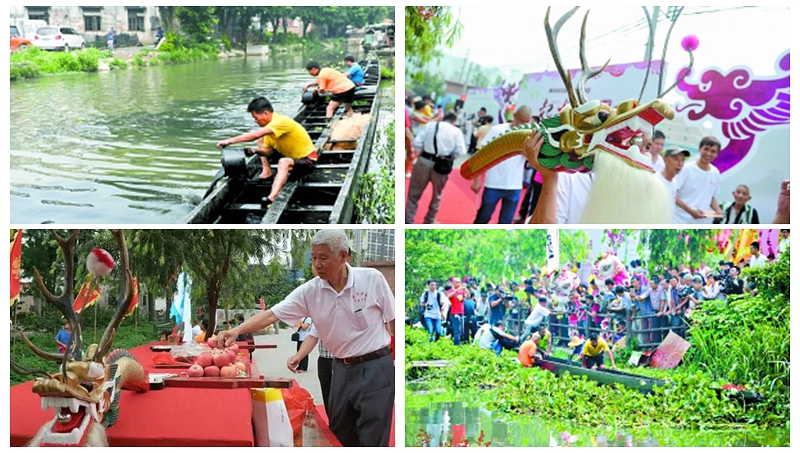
(442, 164)
(296, 336)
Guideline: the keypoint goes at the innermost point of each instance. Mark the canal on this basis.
(138, 145)
(441, 418)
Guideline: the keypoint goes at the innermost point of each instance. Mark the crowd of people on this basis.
(694, 186)
(597, 315)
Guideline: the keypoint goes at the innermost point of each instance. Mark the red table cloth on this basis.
(164, 418)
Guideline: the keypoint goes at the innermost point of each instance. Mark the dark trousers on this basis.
(470, 328)
(489, 200)
(531, 198)
(303, 365)
(325, 374)
(421, 175)
(457, 321)
(362, 402)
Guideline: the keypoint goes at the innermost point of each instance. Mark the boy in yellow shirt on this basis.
(295, 152)
(341, 88)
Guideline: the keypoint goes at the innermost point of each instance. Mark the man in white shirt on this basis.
(573, 190)
(539, 313)
(784, 243)
(698, 185)
(655, 151)
(504, 180)
(353, 312)
(674, 159)
(448, 142)
(758, 259)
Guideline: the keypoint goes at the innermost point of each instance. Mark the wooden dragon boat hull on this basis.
(607, 376)
(325, 196)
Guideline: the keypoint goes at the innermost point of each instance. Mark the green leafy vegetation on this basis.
(387, 73)
(376, 200)
(33, 61)
(128, 336)
(428, 27)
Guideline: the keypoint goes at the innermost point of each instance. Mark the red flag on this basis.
(261, 301)
(86, 296)
(135, 300)
(16, 265)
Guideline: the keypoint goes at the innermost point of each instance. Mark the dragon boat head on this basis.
(583, 128)
(82, 393)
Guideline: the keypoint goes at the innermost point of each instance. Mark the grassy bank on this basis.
(33, 62)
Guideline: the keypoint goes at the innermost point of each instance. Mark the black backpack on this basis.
(422, 309)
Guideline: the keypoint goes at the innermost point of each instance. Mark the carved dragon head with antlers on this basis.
(84, 394)
(589, 135)
(583, 128)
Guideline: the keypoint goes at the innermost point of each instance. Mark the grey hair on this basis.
(524, 110)
(335, 239)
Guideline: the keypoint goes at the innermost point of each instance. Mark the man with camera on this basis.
(441, 142)
(457, 295)
(497, 305)
(730, 283)
(431, 303)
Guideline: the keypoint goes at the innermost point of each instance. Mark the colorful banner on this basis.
(544, 92)
(768, 240)
(16, 265)
(88, 294)
(741, 246)
(749, 114)
(135, 300)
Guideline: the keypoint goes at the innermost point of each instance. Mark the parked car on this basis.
(58, 38)
(17, 41)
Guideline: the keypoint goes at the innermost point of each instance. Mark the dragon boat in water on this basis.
(606, 376)
(236, 194)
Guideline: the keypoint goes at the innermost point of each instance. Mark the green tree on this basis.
(197, 21)
(485, 254)
(427, 84)
(167, 14)
(234, 21)
(573, 246)
(675, 247)
(428, 27)
(479, 79)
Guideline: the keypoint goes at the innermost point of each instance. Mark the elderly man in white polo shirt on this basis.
(353, 313)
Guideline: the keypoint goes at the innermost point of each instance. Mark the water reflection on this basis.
(136, 146)
(459, 423)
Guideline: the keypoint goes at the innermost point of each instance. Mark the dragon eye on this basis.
(600, 118)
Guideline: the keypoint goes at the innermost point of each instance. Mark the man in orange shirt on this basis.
(340, 87)
(528, 351)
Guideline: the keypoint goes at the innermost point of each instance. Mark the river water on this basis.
(138, 145)
(449, 419)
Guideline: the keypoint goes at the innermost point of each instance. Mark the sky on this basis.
(513, 38)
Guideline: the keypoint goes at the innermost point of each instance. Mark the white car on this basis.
(58, 38)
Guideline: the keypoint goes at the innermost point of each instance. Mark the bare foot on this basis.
(265, 174)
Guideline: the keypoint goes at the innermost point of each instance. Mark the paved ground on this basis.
(272, 362)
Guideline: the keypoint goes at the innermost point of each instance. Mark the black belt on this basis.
(428, 156)
(384, 351)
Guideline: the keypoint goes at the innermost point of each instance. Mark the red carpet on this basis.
(459, 203)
